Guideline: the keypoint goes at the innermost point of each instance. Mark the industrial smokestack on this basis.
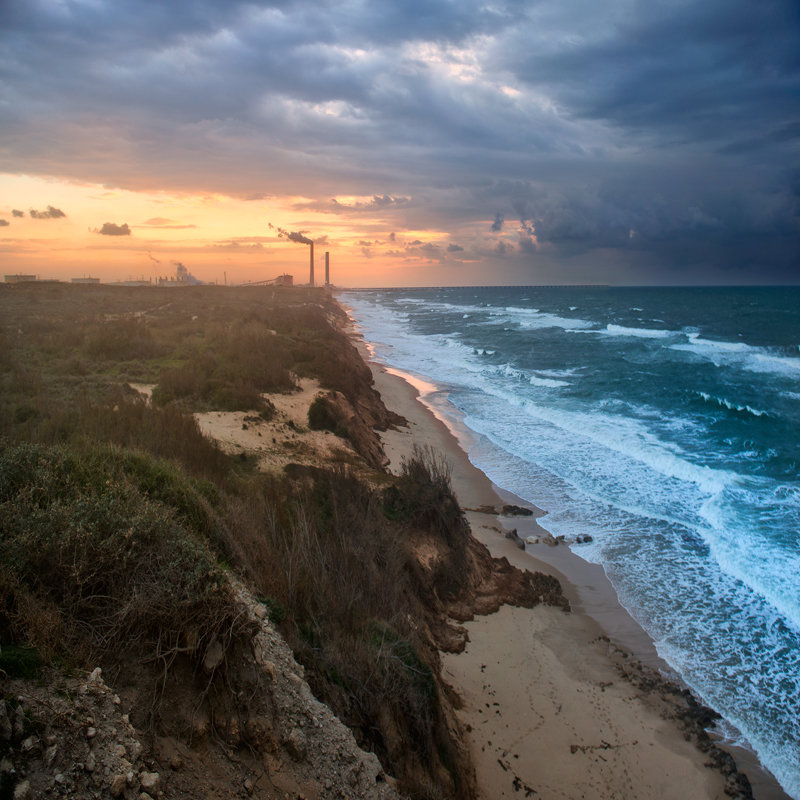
(327, 268)
(295, 236)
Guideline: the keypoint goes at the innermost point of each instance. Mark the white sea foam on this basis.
(535, 380)
(560, 373)
(721, 401)
(749, 357)
(532, 318)
(511, 372)
(644, 333)
(629, 438)
(742, 551)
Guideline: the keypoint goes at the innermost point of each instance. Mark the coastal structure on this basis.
(280, 280)
(19, 278)
(85, 280)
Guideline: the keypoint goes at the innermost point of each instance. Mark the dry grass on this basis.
(119, 519)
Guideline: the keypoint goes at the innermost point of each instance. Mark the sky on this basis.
(423, 142)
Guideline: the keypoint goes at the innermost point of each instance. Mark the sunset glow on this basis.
(217, 237)
(465, 145)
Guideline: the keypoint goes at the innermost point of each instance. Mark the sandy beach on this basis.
(545, 701)
(548, 712)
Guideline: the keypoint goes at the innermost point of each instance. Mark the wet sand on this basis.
(547, 711)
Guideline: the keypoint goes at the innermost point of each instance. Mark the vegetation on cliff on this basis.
(123, 529)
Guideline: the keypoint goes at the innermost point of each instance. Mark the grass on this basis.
(104, 550)
(120, 523)
(348, 585)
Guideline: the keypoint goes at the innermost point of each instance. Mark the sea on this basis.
(664, 423)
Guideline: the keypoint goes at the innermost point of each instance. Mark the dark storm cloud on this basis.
(112, 229)
(48, 213)
(376, 203)
(663, 132)
(706, 71)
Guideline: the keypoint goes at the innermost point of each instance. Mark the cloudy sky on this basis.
(423, 142)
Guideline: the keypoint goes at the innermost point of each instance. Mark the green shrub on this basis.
(178, 383)
(229, 372)
(423, 495)
(111, 545)
(320, 417)
(275, 609)
(394, 647)
(19, 661)
(23, 413)
(122, 340)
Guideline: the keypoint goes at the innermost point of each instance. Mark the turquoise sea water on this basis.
(666, 424)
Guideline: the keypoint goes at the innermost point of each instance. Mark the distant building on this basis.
(19, 278)
(86, 280)
(284, 280)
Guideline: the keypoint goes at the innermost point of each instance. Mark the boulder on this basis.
(296, 744)
(214, 655)
(516, 511)
(23, 791)
(149, 782)
(118, 784)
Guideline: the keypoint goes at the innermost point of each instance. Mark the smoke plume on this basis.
(182, 274)
(292, 236)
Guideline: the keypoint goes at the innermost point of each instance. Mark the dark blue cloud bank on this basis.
(622, 140)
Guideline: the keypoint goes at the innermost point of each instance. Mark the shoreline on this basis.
(595, 605)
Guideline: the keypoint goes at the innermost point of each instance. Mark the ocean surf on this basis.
(662, 422)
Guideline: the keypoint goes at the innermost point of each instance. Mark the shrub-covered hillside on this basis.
(126, 534)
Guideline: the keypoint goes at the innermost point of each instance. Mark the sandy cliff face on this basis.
(248, 725)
